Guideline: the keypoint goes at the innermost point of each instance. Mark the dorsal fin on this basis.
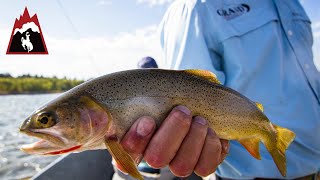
(204, 74)
(260, 106)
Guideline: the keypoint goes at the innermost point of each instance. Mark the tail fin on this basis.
(284, 139)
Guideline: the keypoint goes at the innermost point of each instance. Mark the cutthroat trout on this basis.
(97, 114)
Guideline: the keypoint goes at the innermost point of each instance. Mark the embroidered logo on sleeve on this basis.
(233, 11)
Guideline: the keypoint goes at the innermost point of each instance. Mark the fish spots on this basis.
(133, 93)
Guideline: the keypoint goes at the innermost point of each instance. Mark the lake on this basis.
(15, 164)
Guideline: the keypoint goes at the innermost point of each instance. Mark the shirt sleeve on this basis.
(183, 40)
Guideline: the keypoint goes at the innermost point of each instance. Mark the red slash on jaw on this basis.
(63, 151)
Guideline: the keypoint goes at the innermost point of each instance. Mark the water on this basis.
(15, 164)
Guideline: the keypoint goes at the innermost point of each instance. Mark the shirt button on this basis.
(290, 33)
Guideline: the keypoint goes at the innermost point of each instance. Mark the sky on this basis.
(86, 39)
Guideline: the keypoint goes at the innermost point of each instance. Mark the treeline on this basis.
(28, 84)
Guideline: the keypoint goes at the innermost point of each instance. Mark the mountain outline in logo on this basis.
(26, 36)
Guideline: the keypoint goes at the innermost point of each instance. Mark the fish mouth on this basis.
(47, 145)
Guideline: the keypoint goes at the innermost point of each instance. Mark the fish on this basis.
(97, 114)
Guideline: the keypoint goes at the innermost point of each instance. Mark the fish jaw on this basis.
(81, 126)
(48, 143)
(51, 142)
(38, 147)
(43, 147)
(30, 149)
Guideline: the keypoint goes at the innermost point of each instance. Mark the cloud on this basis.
(302, 2)
(86, 57)
(152, 3)
(104, 2)
(316, 43)
(316, 25)
(94, 56)
(316, 29)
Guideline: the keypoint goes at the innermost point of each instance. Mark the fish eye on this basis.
(45, 120)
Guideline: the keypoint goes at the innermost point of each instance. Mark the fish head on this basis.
(66, 125)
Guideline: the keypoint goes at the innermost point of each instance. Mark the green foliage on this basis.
(35, 84)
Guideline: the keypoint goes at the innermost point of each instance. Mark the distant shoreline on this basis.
(30, 93)
(27, 84)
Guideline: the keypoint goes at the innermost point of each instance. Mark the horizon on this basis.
(90, 39)
(8, 75)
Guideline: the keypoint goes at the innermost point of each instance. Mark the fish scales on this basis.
(132, 94)
(102, 110)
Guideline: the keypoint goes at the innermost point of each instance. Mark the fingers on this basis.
(190, 148)
(137, 138)
(166, 142)
(184, 144)
(211, 155)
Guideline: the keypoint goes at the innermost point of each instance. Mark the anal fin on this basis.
(122, 157)
(252, 146)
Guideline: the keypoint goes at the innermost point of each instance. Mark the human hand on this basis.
(184, 143)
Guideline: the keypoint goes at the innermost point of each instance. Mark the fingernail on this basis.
(226, 147)
(200, 120)
(138, 159)
(145, 126)
(211, 132)
(184, 109)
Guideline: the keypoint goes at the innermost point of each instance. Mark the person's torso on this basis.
(265, 48)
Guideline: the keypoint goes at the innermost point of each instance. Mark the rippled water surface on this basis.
(15, 164)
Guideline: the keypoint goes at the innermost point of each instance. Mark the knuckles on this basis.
(204, 171)
(155, 161)
(130, 147)
(181, 169)
(153, 156)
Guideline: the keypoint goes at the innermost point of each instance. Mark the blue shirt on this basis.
(262, 49)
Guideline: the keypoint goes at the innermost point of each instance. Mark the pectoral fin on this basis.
(204, 74)
(252, 145)
(122, 157)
